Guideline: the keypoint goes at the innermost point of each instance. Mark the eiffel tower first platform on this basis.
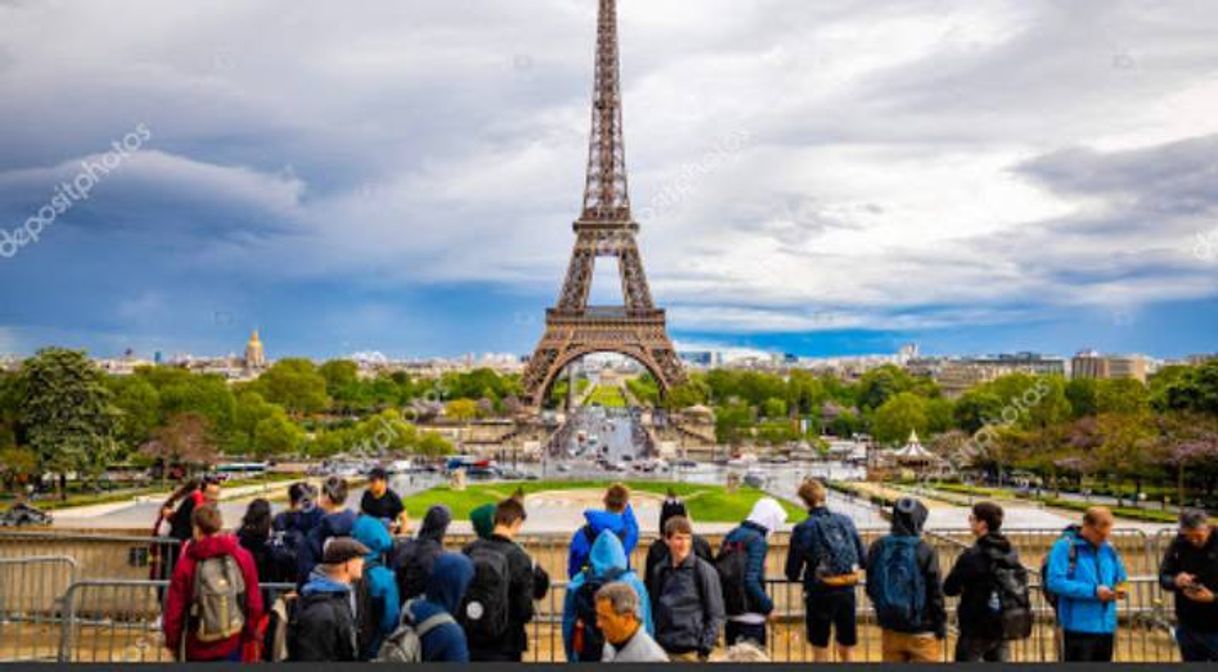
(637, 329)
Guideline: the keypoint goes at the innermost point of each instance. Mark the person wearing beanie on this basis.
(324, 629)
(657, 553)
(483, 520)
(905, 585)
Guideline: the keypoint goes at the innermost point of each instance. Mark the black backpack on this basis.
(484, 612)
(589, 641)
(413, 561)
(1015, 618)
(1071, 532)
(367, 620)
(732, 565)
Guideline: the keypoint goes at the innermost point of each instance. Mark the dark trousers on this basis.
(734, 632)
(1084, 647)
(981, 650)
(1197, 646)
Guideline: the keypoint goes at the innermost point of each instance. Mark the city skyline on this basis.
(866, 183)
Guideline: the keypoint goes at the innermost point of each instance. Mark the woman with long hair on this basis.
(163, 554)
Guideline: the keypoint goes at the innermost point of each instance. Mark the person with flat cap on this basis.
(325, 626)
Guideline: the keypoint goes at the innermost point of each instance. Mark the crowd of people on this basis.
(363, 592)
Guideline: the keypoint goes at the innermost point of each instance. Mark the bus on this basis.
(236, 470)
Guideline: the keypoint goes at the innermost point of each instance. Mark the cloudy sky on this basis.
(811, 177)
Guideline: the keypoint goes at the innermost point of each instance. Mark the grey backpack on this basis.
(218, 607)
(405, 645)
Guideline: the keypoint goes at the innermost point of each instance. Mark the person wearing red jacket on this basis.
(209, 542)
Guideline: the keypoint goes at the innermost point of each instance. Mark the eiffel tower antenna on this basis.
(605, 228)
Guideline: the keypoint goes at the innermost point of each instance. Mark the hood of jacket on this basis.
(320, 583)
(372, 533)
(600, 521)
(483, 519)
(450, 577)
(607, 553)
(671, 508)
(768, 514)
(213, 546)
(908, 517)
(435, 523)
(998, 548)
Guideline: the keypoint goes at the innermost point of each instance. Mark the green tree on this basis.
(139, 405)
(296, 385)
(207, 395)
(68, 413)
(1195, 390)
(732, 422)
(1122, 395)
(774, 408)
(276, 435)
(251, 409)
(693, 392)
(1082, 395)
(341, 375)
(431, 444)
(882, 383)
(975, 409)
(896, 418)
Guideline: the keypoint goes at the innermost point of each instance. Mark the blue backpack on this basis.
(895, 582)
(836, 552)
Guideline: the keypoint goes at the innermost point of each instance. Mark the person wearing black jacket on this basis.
(658, 554)
(522, 591)
(972, 579)
(324, 627)
(917, 639)
(413, 559)
(1190, 570)
(686, 598)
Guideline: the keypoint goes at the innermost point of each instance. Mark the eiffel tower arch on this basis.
(606, 228)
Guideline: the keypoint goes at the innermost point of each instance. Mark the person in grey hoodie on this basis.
(626, 640)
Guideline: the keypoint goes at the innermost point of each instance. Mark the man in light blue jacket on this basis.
(582, 639)
(1088, 577)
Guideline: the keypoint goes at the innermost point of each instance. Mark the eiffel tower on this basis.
(606, 228)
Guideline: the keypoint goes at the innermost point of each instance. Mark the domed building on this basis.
(255, 357)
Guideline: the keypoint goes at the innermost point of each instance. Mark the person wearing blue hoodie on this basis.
(337, 522)
(618, 518)
(450, 577)
(582, 640)
(1088, 577)
(378, 607)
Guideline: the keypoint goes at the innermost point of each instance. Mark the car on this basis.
(23, 514)
(564, 468)
(687, 464)
(628, 458)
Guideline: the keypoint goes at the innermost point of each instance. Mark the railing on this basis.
(56, 607)
(31, 590)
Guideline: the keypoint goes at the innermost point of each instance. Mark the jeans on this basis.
(736, 631)
(1085, 647)
(979, 649)
(1197, 646)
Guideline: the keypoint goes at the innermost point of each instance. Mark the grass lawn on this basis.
(706, 503)
(607, 396)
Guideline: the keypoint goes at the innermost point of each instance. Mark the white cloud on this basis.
(886, 179)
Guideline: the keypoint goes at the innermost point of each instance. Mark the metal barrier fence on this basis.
(51, 607)
(31, 592)
(97, 556)
(119, 621)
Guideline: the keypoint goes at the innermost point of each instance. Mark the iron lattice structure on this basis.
(606, 228)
